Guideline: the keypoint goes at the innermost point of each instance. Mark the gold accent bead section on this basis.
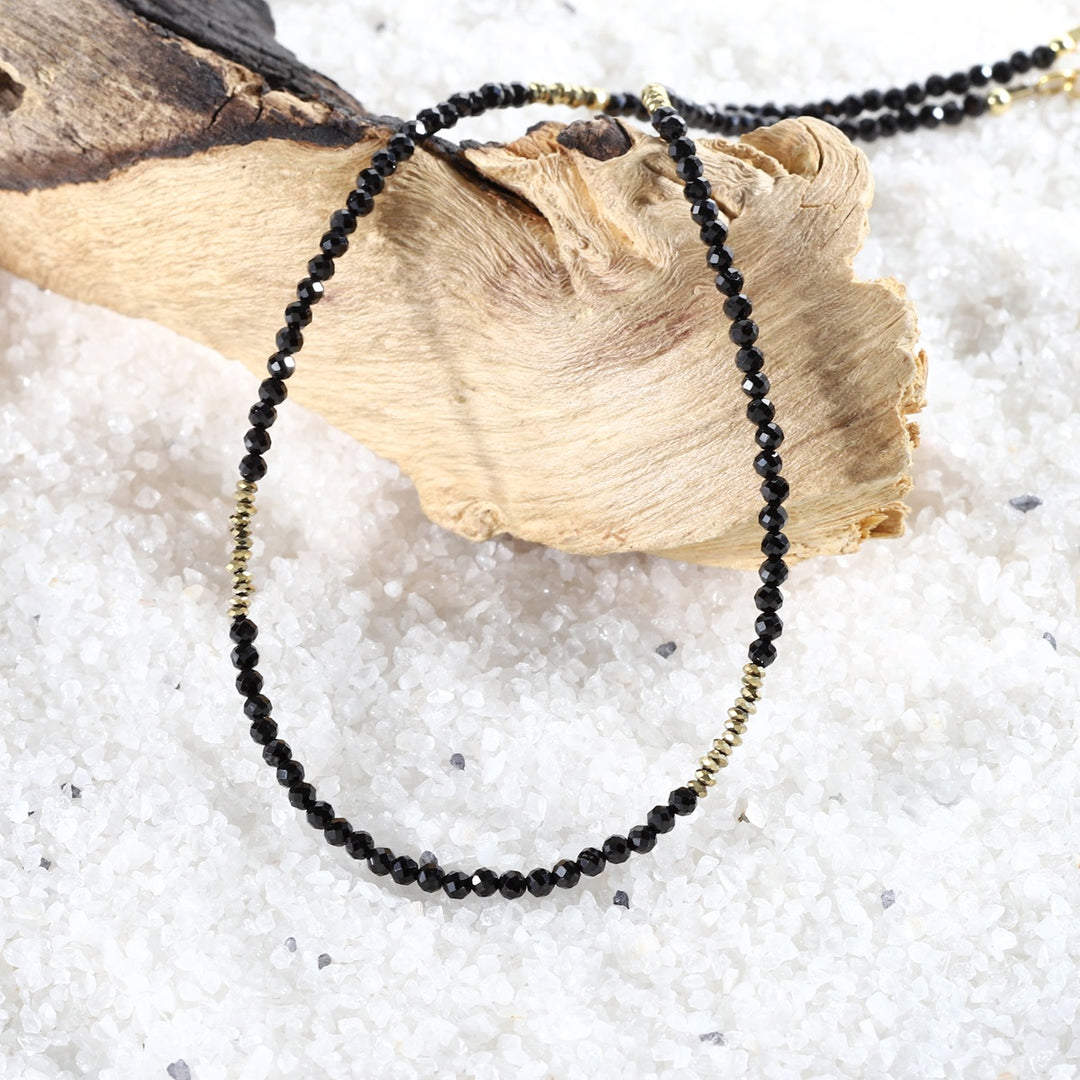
(654, 96)
(998, 100)
(1067, 42)
(590, 97)
(698, 788)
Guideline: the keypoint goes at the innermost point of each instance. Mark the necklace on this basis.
(871, 115)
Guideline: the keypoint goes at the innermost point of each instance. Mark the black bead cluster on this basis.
(338, 831)
(867, 116)
(671, 126)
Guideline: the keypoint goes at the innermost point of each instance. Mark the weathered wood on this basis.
(529, 330)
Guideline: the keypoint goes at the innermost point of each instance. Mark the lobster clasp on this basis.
(1053, 82)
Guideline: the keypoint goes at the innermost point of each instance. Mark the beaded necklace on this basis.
(868, 116)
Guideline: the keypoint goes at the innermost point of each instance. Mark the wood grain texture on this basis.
(529, 330)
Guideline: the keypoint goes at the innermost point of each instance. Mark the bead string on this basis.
(671, 124)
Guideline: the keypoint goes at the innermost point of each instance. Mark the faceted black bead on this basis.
(616, 849)
(476, 100)
(914, 93)
(243, 629)
(263, 731)
(1021, 62)
(302, 796)
(567, 873)
(772, 518)
(705, 211)
(384, 162)
(463, 103)
(695, 191)
(888, 125)
(249, 682)
(828, 107)
(773, 571)
(430, 877)
(520, 94)
(768, 625)
(359, 844)
(768, 598)
(616, 104)
(1002, 71)
(743, 332)
(767, 463)
(689, 168)
(872, 100)
(360, 202)
(281, 365)
(762, 652)
(671, 127)
(277, 752)
(714, 234)
(493, 95)
(257, 706)
(257, 441)
(681, 148)
(813, 109)
(252, 468)
(750, 359)
(755, 386)
(321, 267)
(290, 774)
(273, 391)
(907, 120)
(430, 121)
(484, 882)
(738, 307)
(1042, 56)
(380, 860)
(894, 99)
(369, 180)
(952, 113)
(683, 801)
(719, 257)
(641, 838)
(959, 82)
(975, 104)
(661, 818)
(849, 129)
(447, 113)
(665, 110)
(774, 490)
(309, 291)
(769, 109)
(456, 885)
(981, 74)
(591, 861)
(320, 814)
(851, 105)
(729, 281)
(512, 884)
(936, 85)
(403, 869)
(344, 221)
(337, 830)
(774, 543)
(540, 881)
(334, 242)
(869, 129)
(244, 656)
(297, 314)
(262, 414)
(931, 115)
(401, 146)
(769, 436)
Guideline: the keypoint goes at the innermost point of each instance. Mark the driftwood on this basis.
(529, 330)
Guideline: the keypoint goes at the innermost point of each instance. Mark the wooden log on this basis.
(529, 330)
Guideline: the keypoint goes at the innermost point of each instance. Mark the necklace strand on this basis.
(670, 116)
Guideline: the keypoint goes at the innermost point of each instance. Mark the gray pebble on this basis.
(179, 1070)
(1053, 640)
(324, 960)
(45, 864)
(76, 792)
(1024, 503)
(714, 1037)
(620, 899)
(290, 944)
(458, 761)
(888, 898)
(666, 649)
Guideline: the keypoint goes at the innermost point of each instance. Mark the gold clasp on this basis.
(1053, 82)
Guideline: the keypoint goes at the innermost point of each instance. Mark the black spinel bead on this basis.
(302, 796)
(750, 359)
(456, 885)
(448, 114)
(772, 518)
(380, 860)
(520, 94)
(680, 148)
(829, 108)
(462, 102)
(384, 162)
(321, 267)
(888, 125)
(249, 682)
(592, 861)
(290, 774)
(914, 93)
(767, 463)
(369, 180)
(334, 242)
(290, 340)
(1002, 71)
(257, 440)
(714, 234)
(851, 105)
(907, 120)
(981, 74)
(769, 436)
(297, 313)
(762, 652)
(738, 307)
(277, 752)
(671, 127)
(257, 707)
(430, 877)
(689, 168)
(953, 113)
(359, 844)
(770, 109)
(540, 881)
(641, 838)
(337, 830)
(262, 414)
(567, 873)
(360, 202)
(263, 731)
(484, 882)
(244, 656)
(959, 82)
(869, 129)
(345, 221)
(320, 814)
(281, 365)
(704, 212)
(768, 598)
(974, 104)
(1021, 62)
(403, 869)
(730, 281)
(430, 121)
(243, 629)
(773, 571)
(252, 468)
(616, 104)
(401, 145)
(768, 625)
(616, 849)
(661, 818)
(774, 543)
(719, 257)
(894, 99)
(936, 85)
(476, 100)
(683, 801)
(774, 490)
(931, 115)
(1042, 56)
(812, 108)
(849, 129)
(493, 95)
(755, 386)
(872, 100)
(695, 191)
(309, 291)
(273, 391)
(743, 332)
(512, 884)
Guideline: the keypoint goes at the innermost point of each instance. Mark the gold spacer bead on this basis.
(703, 776)
(246, 487)
(239, 609)
(736, 727)
(655, 96)
(241, 556)
(698, 788)
(243, 590)
(739, 712)
(235, 568)
(722, 746)
(998, 100)
(1066, 42)
(715, 760)
(747, 704)
(707, 764)
(241, 543)
(752, 680)
(754, 669)
(730, 739)
(750, 692)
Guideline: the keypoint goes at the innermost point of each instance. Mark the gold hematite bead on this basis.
(698, 788)
(243, 589)
(242, 543)
(739, 712)
(715, 759)
(703, 776)
(722, 746)
(737, 727)
(730, 739)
